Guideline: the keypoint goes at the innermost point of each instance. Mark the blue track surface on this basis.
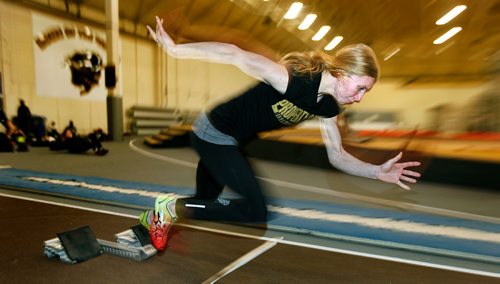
(326, 218)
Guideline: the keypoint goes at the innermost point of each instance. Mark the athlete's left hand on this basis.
(160, 36)
(394, 172)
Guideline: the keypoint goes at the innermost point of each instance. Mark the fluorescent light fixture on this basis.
(307, 22)
(335, 41)
(391, 54)
(451, 14)
(321, 33)
(442, 49)
(447, 35)
(293, 11)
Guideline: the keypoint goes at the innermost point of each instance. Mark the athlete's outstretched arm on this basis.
(391, 171)
(255, 65)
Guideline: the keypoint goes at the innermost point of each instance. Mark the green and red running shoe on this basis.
(159, 221)
(146, 218)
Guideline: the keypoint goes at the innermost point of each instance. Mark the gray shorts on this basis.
(207, 132)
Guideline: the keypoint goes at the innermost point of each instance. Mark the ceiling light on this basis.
(451, 14)
(391, 54)
(293, 11)
(307, 22)
(321, 33)
(335, 41)
(447, 35)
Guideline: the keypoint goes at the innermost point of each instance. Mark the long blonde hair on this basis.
(355, 59)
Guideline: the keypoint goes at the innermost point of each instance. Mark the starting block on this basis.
(53, 247)
(80, 244)
(128, 245)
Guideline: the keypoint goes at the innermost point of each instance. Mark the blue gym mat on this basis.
(394, 228)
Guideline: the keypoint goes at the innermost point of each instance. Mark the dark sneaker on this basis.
(101, 152)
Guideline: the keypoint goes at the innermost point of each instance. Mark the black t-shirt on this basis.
(262, 108)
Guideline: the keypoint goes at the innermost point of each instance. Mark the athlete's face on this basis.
(351, 89)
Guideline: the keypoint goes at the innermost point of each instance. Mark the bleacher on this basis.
(161, 127)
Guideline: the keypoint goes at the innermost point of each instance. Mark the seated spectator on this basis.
(76, 144)
(13, 138)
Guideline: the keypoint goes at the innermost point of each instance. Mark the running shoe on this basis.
(158, 233)
(162, 207)
(162, 221)
(101, 152)
(146, 218)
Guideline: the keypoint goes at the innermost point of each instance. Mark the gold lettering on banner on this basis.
(55, 34)
(289, 114)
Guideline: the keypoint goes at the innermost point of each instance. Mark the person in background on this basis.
(301, 86)
(13, 138)
(76, 144)
(24, 119)
(52, 134)
(71, 128)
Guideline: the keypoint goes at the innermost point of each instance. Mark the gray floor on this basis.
(130, 160)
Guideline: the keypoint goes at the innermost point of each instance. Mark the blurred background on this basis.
(437, 96)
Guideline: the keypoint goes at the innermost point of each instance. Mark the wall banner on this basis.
(69, 59)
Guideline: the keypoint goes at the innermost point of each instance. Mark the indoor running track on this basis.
(194, 255)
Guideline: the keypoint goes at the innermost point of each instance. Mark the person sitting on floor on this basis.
(13, 138)
(76, 144)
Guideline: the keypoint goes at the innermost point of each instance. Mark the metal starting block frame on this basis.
(54, 247)
(127, 245)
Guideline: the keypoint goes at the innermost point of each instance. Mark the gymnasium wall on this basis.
(412, 104)
(19, 80)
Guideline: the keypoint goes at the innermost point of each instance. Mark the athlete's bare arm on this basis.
(255, 65)
(391, 171)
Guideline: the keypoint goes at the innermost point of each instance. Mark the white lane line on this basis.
(334, 193)
(281, 241)
(160, 157)
(447, 231)
(241, 261)
(66, 205)
(99, 187)
(385, 202)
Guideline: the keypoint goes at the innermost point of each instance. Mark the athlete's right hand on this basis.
(394, 172)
